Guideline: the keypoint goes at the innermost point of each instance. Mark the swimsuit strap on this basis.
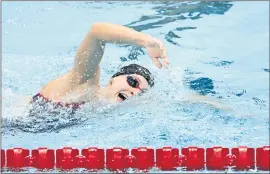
(69, 105)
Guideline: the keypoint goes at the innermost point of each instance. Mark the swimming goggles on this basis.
(133, 82)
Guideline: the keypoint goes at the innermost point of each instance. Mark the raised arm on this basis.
(90, 51)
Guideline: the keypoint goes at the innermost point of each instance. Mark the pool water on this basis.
(218, 50)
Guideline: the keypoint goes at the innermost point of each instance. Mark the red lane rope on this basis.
(141, 158)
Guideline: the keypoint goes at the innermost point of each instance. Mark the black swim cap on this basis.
(136, 69)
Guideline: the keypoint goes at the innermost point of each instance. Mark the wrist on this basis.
(152, 42)
(144, 41)
(148, 41)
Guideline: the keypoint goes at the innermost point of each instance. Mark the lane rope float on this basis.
(142, 158)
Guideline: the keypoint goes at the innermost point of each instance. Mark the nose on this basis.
(135, 91)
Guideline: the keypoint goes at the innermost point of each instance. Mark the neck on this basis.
(102, 93)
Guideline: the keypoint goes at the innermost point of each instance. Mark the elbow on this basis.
(97, 25)
(101, 31)
(97, 28)
(96, 31)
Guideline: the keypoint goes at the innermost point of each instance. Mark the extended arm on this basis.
(90, 51)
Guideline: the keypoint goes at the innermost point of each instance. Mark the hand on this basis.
(156, 51)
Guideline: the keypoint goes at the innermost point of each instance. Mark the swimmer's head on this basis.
(129, 81)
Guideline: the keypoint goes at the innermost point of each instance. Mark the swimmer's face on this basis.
(120, 87)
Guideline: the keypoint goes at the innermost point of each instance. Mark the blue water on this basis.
(219, 50)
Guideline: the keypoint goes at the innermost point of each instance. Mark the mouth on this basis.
(122, 96)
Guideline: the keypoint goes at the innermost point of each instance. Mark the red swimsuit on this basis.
(46, 100)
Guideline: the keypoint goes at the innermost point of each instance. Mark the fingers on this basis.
(160, 52)
(158, 64)
(165, 62)
(164, 57)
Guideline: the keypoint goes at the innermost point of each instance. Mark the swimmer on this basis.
(81, 83)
